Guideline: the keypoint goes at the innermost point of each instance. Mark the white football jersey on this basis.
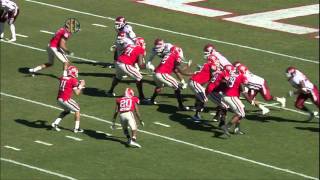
(129, 32)
(166, 50)
(254, 81)
(223, 61)
(298, 77)
(8, 5)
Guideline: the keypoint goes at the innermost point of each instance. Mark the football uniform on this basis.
(126, 61)
(166, 50)
(215, 87)
(200, 78)
(311, 90)
(232, 93)
(222, 60)
(54, 46)
(66, 86)
(127, 40)
(257, 84)
(164, 70)
(9, 11)
(126, 106)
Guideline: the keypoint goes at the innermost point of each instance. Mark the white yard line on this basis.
(21, 35)
(100, 25)
(175, 140)
(36, 168)
(179, 33)
(44, 143)
(74, 138)
(47, 32)
(161, 124)
(11, 147)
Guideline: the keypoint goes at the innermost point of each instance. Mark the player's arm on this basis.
(77, 90)
(137, 113)
(141, 61)
(63, 46)
(115, 114)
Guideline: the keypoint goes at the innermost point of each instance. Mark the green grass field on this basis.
(280, 145)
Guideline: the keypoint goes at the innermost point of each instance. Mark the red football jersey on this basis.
(126, 104)
(204, 75)
(234, 82)
(61, 33)
(216, 83)
(130, 54)
(168, 63)
(67, 84)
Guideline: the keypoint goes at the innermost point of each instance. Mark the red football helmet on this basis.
(290, 71)
(128, 93)
(120, 22)
(228, 69)
(139, 41)
(213, 59)
(72, 71)
(159, 45)
(207, 50)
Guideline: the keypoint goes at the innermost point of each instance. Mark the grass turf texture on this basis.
(281, 139)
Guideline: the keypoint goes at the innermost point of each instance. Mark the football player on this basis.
(127, 108)
(257, 84)
(162, 48)
(9, 12)
(209, 49)
(170, 63)
(131, 55)
(305, 89)
(198, 79)
(58, 48)
(125, 31)
(68, 85)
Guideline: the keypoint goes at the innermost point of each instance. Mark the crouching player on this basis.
(127, 107)
(68, 85)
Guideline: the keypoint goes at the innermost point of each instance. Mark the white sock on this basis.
(1, 29)
(65, 73)
(13, 31)
(38, 68)
(57, 121)
(77, 125)
(260, 106)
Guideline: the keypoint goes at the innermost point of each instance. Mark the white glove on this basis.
(290, 93)
(112, 48)
(184, 84)
(150, 66)
(305, 90)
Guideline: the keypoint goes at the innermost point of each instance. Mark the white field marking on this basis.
(43, 50)
(39, 169)
(307, 102)
(175, 140)
(101, 132)
(185, 6)
(74, 138)
(44, 143)
(271, 104)
(161, 124)
(268, 19)
(179, 33)
(47, 32)
(11, 147)
(99, 25)
(21, 35)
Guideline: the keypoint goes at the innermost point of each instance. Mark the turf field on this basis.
(280, 145)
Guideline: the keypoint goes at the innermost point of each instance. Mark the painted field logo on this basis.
(268, 20)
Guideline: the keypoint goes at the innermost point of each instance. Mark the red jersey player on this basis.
(169, 63)
(127, 108)
(198, 79)
(68, 85)
(131, 55)
(57, 46)
(305, 90)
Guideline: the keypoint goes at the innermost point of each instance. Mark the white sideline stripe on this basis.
(11, 147)
(74, 138)
(271, 104)
(39, 169)
(179, 33)
(161, 124)
(44, 143)
(176, 140)
(99, 25)
(47, 32)
(21, 35)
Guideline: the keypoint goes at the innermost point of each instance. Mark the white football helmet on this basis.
(159, 45)
(207, 50)
(128, 93)
(120, 22)
(290, 71)
(72, 71)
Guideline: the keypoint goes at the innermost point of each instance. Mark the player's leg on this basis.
(12, 16)
(133, 126)
(237, 107)
(51, 55)
(301, 98)
(200, 98)
(116, 79)
(265, 92)
(1, 30)
(134, 73)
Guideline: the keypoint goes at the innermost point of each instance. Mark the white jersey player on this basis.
(9, 12)
(209, 49)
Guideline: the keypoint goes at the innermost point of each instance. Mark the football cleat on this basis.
(282, 101)
(264, 110)
(225, 130)
(238, 131)
(12, 40)
(78, 130)
(312, 115)
(183, 108)
(110, 94)
(133, 143)
(55, 127)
